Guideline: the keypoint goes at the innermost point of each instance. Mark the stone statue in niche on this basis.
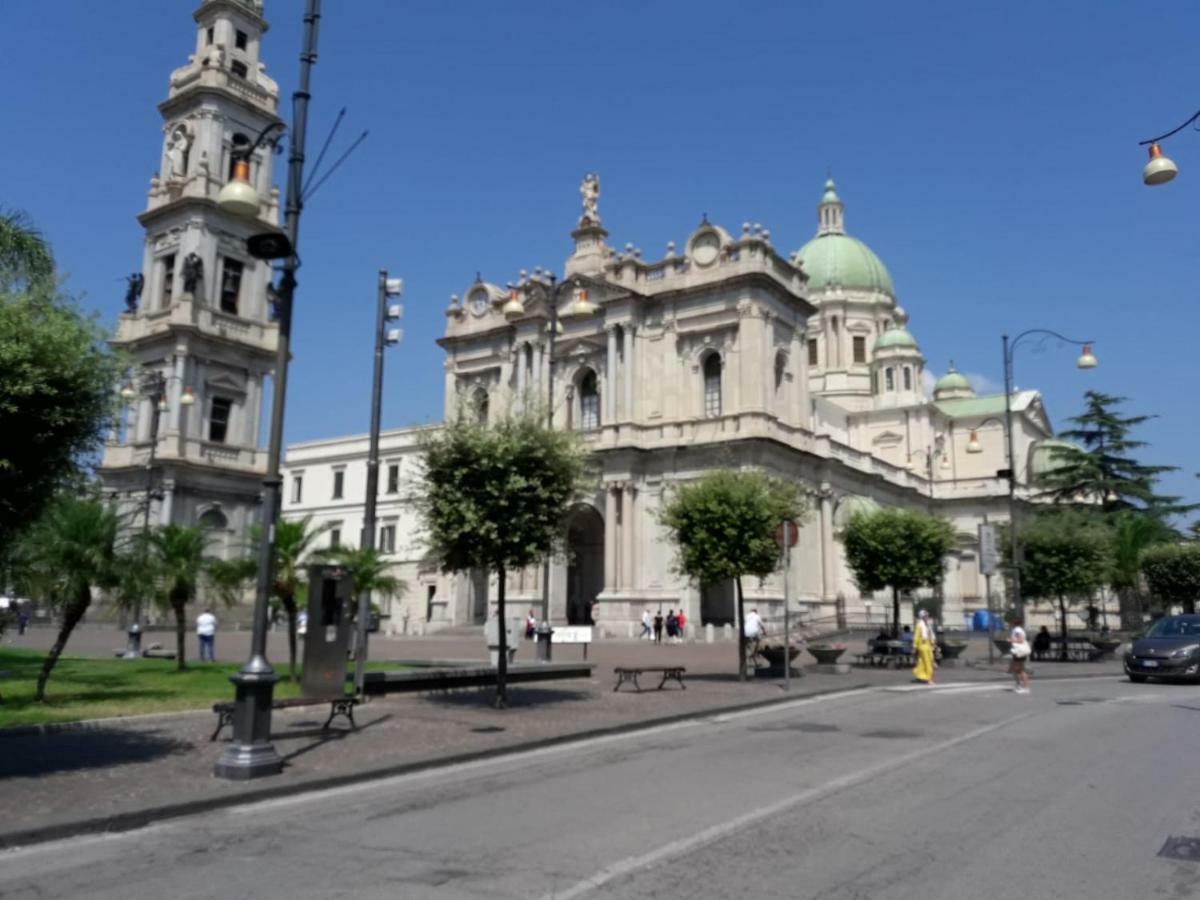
(193, 271)
(133, 293)
(589, 191)
(178, 150)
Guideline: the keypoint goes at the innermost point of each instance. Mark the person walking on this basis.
(672, 626)
(680, 625)
(22, 618)
(1020, 653)
(923, 641)
(646, 629)
(206, 630)
(658, 626)
(530, 626)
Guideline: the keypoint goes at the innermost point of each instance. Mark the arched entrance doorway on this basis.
(585, 564)
(717, 605)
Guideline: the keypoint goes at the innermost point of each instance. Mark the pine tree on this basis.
(1102, 468)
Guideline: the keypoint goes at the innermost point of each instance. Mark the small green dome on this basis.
(895, 337)
(1045, 456)
(952, 383)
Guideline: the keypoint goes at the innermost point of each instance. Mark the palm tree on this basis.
(24, 254)
(1131, 534)
(179, 553)
(370, 570)
(69, 552)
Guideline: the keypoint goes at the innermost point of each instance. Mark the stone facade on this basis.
(203, 320)
(724, 352)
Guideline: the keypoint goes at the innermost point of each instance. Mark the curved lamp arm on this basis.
(1012, 345)
(263, 136)
(1163, 137)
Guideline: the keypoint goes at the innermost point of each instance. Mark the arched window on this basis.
(589, 401)
(479, 406)
(240, 142)
(780, 371)
(889, 379)
(907, 378)
(215, 522)
(712, 385)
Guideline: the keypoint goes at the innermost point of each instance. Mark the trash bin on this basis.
(981, 620)
(544, 634)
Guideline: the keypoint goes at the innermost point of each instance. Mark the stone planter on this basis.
(1105, 647)
(774, 657)
(826, 656)
(1003, 645)
(952, 649)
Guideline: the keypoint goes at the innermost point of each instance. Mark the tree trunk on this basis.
(502, 662)
(71, 616)
(178, 604)
(1131, 609)
(1062, 612)
(895, 613)
(289, 605)
(741, 630)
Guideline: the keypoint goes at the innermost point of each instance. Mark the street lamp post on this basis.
(1086, 360)
(154, 386)
(388, 288)
(580, 308)
(251, 753)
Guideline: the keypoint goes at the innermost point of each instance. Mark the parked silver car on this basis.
(1170, 649)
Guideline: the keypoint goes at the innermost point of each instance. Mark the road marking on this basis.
(784, 707)
(672, 851)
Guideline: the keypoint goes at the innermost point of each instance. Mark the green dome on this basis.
(952, 381)
(1044, 456)
(833, 259)
(895, 337)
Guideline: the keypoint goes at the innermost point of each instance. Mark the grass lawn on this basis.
(93, 688)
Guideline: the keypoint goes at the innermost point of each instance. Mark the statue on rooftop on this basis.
(589, 191)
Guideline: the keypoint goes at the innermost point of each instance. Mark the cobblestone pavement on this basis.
(120, 766)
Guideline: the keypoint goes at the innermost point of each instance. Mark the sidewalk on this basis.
(124, 773)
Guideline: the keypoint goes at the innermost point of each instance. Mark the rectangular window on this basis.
(297, 488)
(339, 483)
(238, 68)
(208, 35)
(335, 535)
(889, 379)
(387, 539)
(907, 378)
(860, 349)
(812, 352)
(218, 419)
(240, 40)
(231, 285)
(168, 280)
(393, 478)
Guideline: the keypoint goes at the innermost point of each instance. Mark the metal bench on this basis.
(630, 675)
(338, 706)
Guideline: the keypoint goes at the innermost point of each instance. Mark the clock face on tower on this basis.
(705, 248)
(479, 302)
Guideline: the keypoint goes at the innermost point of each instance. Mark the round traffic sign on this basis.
(787, 534)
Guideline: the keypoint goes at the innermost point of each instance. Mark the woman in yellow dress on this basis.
(923, 639)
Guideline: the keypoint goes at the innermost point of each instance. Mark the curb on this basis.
(134, 819)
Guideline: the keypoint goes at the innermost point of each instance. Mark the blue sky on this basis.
(987, 152)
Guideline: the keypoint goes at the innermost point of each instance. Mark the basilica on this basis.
(723, 352)
(727, 351)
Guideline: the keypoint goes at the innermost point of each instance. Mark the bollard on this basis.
(708, 633)
(544, 633)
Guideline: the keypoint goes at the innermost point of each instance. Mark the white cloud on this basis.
(928, 379)
(983, 384)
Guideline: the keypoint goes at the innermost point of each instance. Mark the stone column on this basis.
(610, 537)
(450, 390)
(522, 383)
(628, 505)
(798, 357)
(610, 379)
(168, 502)
(828, 577)
(627, 375)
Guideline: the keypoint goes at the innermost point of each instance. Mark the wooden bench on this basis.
(669, 673)
(338, 706)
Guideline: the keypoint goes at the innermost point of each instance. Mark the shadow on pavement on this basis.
(517, 697)
(323, 737)
(95, 748)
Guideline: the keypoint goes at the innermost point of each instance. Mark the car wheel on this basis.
(1136, 679)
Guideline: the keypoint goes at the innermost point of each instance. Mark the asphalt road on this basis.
(954, 792)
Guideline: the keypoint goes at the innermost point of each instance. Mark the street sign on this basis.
(787, 534)
(989, 559)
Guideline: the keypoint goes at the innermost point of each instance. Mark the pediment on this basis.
(887, 439)
(585, 346)
(225, 382)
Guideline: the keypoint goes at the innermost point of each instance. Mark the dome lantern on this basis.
(833, 260)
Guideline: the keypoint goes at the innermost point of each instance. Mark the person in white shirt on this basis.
(206, 630)
(647, 631)
(1020, 652)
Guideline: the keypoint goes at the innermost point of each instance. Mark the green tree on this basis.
(1066, 560)
(294, 543)
(371, 571)
(496, 498)
(1173, 574)
(1131, 534)
(179, 557)
(1102, 470)
(56, 380)
(723, 526)
(69, 552)
(895, 548)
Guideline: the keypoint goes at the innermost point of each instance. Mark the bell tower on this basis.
(198, 327)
